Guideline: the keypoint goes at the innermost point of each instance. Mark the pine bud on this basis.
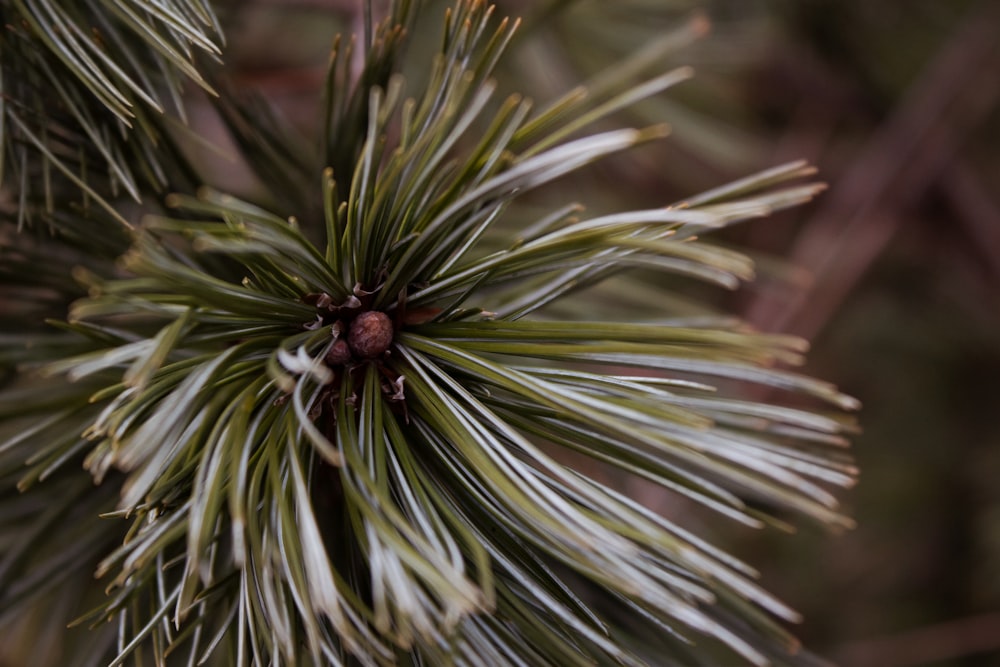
(370, 334)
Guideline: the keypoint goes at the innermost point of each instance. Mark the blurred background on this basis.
(894, 273)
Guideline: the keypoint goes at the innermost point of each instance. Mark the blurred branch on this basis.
(903, 158)
(977, 211)
(944, 641)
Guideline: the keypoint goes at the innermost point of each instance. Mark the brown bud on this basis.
(370, 334)
(339, 353)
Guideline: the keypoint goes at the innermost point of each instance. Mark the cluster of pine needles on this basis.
(325, 424)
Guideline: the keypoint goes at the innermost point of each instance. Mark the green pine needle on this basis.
(83, 89)
(337, 439)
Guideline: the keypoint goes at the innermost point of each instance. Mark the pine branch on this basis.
(332, 438)
(82, 88)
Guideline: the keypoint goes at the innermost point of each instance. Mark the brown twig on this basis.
(944, 641)
(978, 212)
(867, 206)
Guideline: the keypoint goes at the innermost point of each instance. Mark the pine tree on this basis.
(324, 423)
